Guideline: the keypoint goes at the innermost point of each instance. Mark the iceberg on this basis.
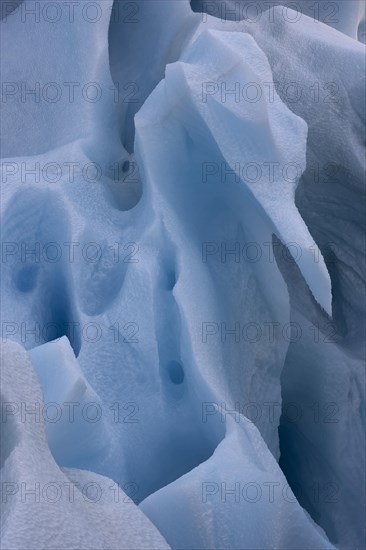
(183, 275)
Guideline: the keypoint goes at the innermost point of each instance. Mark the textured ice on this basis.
(136, 342)
(347, 16)
(63, 383)
(43, 506)
(225, 491)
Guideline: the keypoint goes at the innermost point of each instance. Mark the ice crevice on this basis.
(157, 330)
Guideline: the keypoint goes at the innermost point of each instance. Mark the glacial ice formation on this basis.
(43, 505)
(189, 326)
(345, 16)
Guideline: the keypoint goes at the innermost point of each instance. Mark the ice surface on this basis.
(185, 348)
(347, 16)
(71, 443)
(43, 506)
(216, 504)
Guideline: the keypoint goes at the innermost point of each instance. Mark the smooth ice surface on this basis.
(203, 322)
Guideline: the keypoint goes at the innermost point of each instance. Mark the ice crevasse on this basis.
(194, 444)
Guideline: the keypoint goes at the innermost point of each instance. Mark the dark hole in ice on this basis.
(126, 166)
(26, 278)
(176, 372)
(171, 279)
